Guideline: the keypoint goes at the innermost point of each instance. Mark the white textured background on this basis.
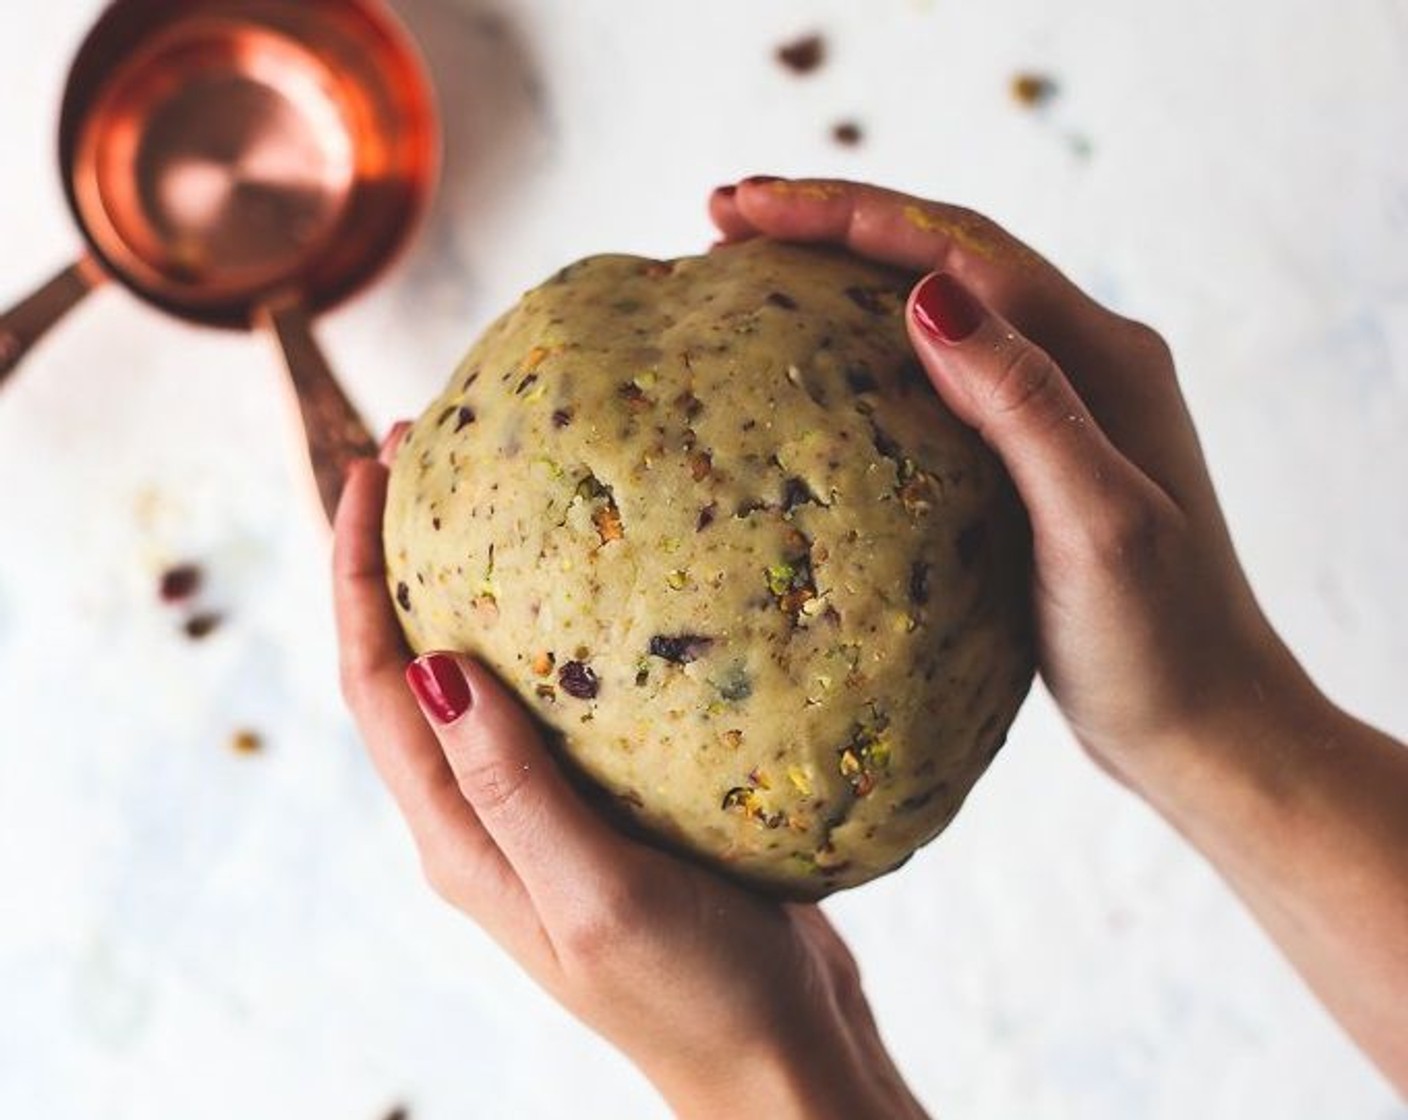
(185, 932)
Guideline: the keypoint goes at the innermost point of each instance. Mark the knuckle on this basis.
(600, 926)
(492, 784)
(1026, 381)
(1147, 342)
(1126, 538)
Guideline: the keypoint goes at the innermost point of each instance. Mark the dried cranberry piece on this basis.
(680, 649)
(919, 583)
(180, 581)
(803, 55)
(577, 679)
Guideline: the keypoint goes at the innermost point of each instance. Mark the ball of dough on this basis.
(712, 523)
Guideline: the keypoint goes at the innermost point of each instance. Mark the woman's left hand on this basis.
(719, 996)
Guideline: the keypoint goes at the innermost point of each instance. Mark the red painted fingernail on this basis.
(944, 308)
(759, 180)
(726, 191)
(440, 686)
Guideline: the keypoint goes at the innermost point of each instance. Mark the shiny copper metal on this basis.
(220, 153)
(244, 162)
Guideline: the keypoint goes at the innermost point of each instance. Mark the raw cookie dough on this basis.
(711, 521)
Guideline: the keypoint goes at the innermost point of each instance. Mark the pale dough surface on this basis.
(712, 523)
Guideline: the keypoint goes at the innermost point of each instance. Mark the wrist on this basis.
(1239, 758)
(846, 1075)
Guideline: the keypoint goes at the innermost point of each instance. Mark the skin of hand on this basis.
(730, 1003)
(1149, 637)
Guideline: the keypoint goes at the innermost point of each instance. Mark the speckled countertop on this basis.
(187, 931)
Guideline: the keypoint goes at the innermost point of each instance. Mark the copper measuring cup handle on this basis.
(335, 434)
(29, 320)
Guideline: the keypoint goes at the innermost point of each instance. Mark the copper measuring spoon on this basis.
(243, 163)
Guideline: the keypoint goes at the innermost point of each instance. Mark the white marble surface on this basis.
(185, 932)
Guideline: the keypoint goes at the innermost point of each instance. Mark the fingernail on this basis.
(944, 308)
(759, 180)
(440, 686)
(726, 191)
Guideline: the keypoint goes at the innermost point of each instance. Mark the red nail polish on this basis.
(439, 686)
(946, 309)
(727, 191)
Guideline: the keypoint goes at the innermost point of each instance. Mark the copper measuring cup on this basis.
(243, 163)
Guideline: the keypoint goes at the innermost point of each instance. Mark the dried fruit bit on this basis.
(486, 607)
(864, 757)
(464, 418)
(246, 742)
(178, 582)
(1033, 90)
(884, 443)
(679, 649)
(782, 300)
(202, 625)
(796, 492)
(561, 417)
(791, 582)
(758, 779)
(800, 781)
(700, 464)
(543, 663)
(677, 579)
(747, 800)
(546, 692)
(635, 397)
(526, 384)
(403, 595)
(578, 680)
(706, 517)
(607, 520)
(535, 358)
(689, 404)
(867, 299)
(804, 55)
(733, 738)
(919, 583)
(916, 493)
(847, 133)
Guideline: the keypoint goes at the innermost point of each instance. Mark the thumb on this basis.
(1021, 403)
(555, 843)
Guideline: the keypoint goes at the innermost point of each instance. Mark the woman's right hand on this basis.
(1148, 635)
(1146, 626)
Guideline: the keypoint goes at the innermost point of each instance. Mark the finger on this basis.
(386, 455)
(926, 236)
(1065, 468)
(887, 226)
(564, 853)
(724, 213)
(369, 637)
(1120, 369)
(455, 850)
